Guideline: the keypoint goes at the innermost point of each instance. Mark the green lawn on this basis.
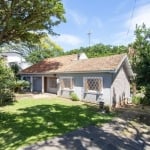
(31, 120)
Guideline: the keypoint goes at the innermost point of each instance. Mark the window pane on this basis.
(93, 84)
(52, 83)
(66, 83)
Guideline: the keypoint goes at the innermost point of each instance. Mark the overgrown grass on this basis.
(32, 120)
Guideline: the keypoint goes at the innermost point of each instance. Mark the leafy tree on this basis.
(44, 49)
(7, 82)
(27, 20)
(141, 59)
(22, 47)
(15, 68)
(99, 50)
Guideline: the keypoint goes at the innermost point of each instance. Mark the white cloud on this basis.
(68, 39)
(122, 38)
(79, 19)
(121, 5)
(141, 15)
(97, 22)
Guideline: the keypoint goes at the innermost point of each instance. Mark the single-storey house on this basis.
(104, 79)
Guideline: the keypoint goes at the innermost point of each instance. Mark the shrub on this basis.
(6, 96)
(21, 85)
(7, 82)
(107, 109)
(146, 99)
(74, 97)
(137, 99)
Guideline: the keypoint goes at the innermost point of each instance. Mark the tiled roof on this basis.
(69, 63)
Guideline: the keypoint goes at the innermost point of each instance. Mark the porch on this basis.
(42, 84)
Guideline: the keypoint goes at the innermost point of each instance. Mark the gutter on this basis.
(95, 71)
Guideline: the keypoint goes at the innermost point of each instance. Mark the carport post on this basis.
(31, 81)
(42, 84)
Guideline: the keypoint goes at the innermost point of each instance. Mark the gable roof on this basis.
(50, 64)
(70, 64)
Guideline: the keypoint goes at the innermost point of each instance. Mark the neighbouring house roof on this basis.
(70, 64)
(14, 57)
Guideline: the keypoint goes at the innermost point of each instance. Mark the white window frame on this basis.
(93, 91)
(49, 81)
(71, 80)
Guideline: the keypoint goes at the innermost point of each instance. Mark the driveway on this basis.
(123, 133)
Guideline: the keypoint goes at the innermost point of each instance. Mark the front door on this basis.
(37, 84)
(52, 85)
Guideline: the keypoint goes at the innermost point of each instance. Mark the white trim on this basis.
(66, 72)
(62, 77)
(42, 84)
(31, 81)
(119, 65)
(129, 68)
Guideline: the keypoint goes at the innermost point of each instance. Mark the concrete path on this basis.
(120, 134)
(36, 95)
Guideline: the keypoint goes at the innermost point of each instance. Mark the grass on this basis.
(31, 120)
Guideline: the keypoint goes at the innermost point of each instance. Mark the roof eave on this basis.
(66, 72)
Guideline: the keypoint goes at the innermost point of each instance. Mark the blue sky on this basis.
(107, 20)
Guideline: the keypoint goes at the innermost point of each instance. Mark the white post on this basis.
(42, 84)
(21, 77)
(31, 81)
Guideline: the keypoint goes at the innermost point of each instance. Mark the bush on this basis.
(137, 99)
(107, 109)
(146, 99)
(6, 96)
(7, 82)
(21, 85)
(143, 97)
(74, 97)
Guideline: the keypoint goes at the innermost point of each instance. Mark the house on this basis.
(14, 57)
(95, 79)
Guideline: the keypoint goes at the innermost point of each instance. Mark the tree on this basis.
(141, 59)
(45, 48)
(7, 82)
(27, 20)
(99, 50)
(15, 69)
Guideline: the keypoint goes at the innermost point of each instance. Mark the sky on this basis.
(109, 22)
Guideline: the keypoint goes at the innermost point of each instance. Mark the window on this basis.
(52, 83)
(66, 83)
(93, 84)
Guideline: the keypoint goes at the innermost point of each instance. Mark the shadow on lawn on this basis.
(44, 121)
(90, 138)
(93, 137)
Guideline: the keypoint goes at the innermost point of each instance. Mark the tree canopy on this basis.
(99, 50)
(45, 48)
(141, 60)
(27, 20)
(7, 81)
